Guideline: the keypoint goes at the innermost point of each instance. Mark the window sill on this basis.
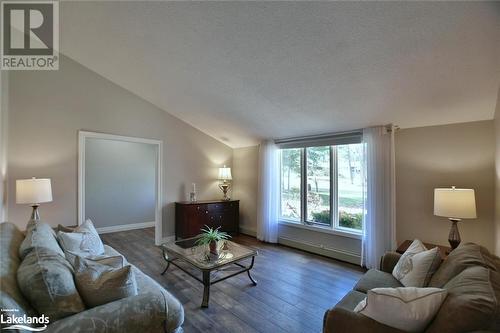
(326, 230)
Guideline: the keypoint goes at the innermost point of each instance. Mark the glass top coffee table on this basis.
(199, 257)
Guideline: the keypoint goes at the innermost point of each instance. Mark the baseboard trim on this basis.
(125, 227)
(248, 231)
(339, 254)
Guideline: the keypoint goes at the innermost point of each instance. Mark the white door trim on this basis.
(82, 136)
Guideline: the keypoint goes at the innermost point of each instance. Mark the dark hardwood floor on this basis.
(294, 287)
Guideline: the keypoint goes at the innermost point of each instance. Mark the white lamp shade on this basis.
(455, 203)
(225, 173)
(33, 191)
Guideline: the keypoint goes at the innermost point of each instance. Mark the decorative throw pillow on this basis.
(416, 265)
(409, 309)
(104, 280)
(84, 240)
(46, 280)
(39, 234)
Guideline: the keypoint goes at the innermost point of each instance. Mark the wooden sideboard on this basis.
(190, 217)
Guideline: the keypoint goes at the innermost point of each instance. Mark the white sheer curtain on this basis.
(379, 225)
(268, 192)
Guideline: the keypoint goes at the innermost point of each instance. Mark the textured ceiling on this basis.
(243, 71)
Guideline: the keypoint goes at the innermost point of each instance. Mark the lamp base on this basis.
(35, 216)
(225, 187)
(454, 236)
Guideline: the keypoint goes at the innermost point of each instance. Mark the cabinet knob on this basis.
(206, 212)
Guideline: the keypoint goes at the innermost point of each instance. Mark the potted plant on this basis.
(210, 237)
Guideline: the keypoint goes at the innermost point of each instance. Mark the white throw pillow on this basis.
(409, 309)
(417, 265)
(84, 240)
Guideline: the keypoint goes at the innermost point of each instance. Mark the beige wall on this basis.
(497, 177)
(47, 108)
(245, 174)
(441, 156)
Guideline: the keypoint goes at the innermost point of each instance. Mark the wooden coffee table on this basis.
(199, 257)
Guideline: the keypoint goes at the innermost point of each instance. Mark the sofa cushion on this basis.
(66, 228)
(144, 313)
(111, 252)
(83, 240)
(464, 256)
(351, 300)
(417, 265)
(410, 309)
(10, 294)
(103, 280)
(46, 280)
(376, 279)
(472, 303)
(39, 235)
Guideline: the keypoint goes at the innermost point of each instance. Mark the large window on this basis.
(318, 185)
(291, 184)
(323, 186)
(350, 189)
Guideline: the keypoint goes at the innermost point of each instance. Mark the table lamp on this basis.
(33, 191)
(455, 204)
(225, 178)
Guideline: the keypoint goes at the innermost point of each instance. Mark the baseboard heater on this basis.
(348, 256)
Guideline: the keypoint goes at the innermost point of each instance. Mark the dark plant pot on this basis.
(213, 248)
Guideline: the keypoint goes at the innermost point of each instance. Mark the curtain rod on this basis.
(389, 128)
(318, 137)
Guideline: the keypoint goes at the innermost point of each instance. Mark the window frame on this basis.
(333, 226)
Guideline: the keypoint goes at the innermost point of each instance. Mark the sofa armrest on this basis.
(339, 320)
(389, 261)
(141, 313)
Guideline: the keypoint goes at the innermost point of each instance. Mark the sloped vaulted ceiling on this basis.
(243, 71)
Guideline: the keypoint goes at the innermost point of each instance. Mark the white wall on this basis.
(245, 178)
(47, 108)
(3, 143)
(442, 156)
(497, 177)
